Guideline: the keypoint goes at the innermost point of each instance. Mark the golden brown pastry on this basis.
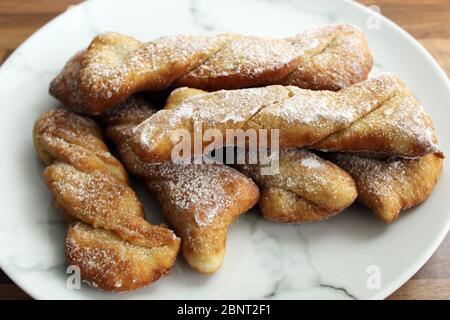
(378, 115)
(178, 96)
(200, 201)
(109, 240)
(115, 66)
(64, 136)
(307, 188)
(388, 187)
(108, 262)
(104, 202)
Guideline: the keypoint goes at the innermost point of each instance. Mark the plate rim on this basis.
(426, 255)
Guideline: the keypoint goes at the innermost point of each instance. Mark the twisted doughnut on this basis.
(109, 239)
(379, 115)
(115, 66)
(199, 201)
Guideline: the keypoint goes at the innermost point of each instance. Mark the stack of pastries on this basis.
(342, 138)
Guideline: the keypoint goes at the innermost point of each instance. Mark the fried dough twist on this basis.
(378, 115)
(306, 188)
(115, 66)
(109, 240)
(309, 188)
(388, 187)
(200, 201)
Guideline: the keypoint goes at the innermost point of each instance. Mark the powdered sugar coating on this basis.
(64, 136)
(348, 120)
(303, 173)
(201, 189)
(399, 122)
(310, 163)
(307, 187)
(247, 57)
(340, 55)
(109, 263)
(112, 244)
(390, 186)
(115, 66)
(221, 109)
(199, 201)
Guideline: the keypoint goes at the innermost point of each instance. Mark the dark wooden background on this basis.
(427, 20)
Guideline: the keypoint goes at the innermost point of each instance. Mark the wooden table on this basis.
(427, 20)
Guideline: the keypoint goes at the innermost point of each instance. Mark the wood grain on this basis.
(427, 20)
(10, 291)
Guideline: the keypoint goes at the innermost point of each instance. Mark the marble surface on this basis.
(332, 259)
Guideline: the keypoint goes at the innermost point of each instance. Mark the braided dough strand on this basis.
(199, 201)
(307, 187)
(379, 115)
(109, 240)
(388, 187)
(115, 66)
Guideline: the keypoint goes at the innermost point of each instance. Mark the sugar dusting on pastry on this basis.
(248, 56)
(107, 262)
(208, 110)
(115, 66)
(111, 243)
(108, 70)
(389, 187)
(198, 188)
(307, 188)
(310, 163)
(200, 201)
(348, 120)
(344, 107)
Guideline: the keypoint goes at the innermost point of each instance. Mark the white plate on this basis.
(329, 259)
